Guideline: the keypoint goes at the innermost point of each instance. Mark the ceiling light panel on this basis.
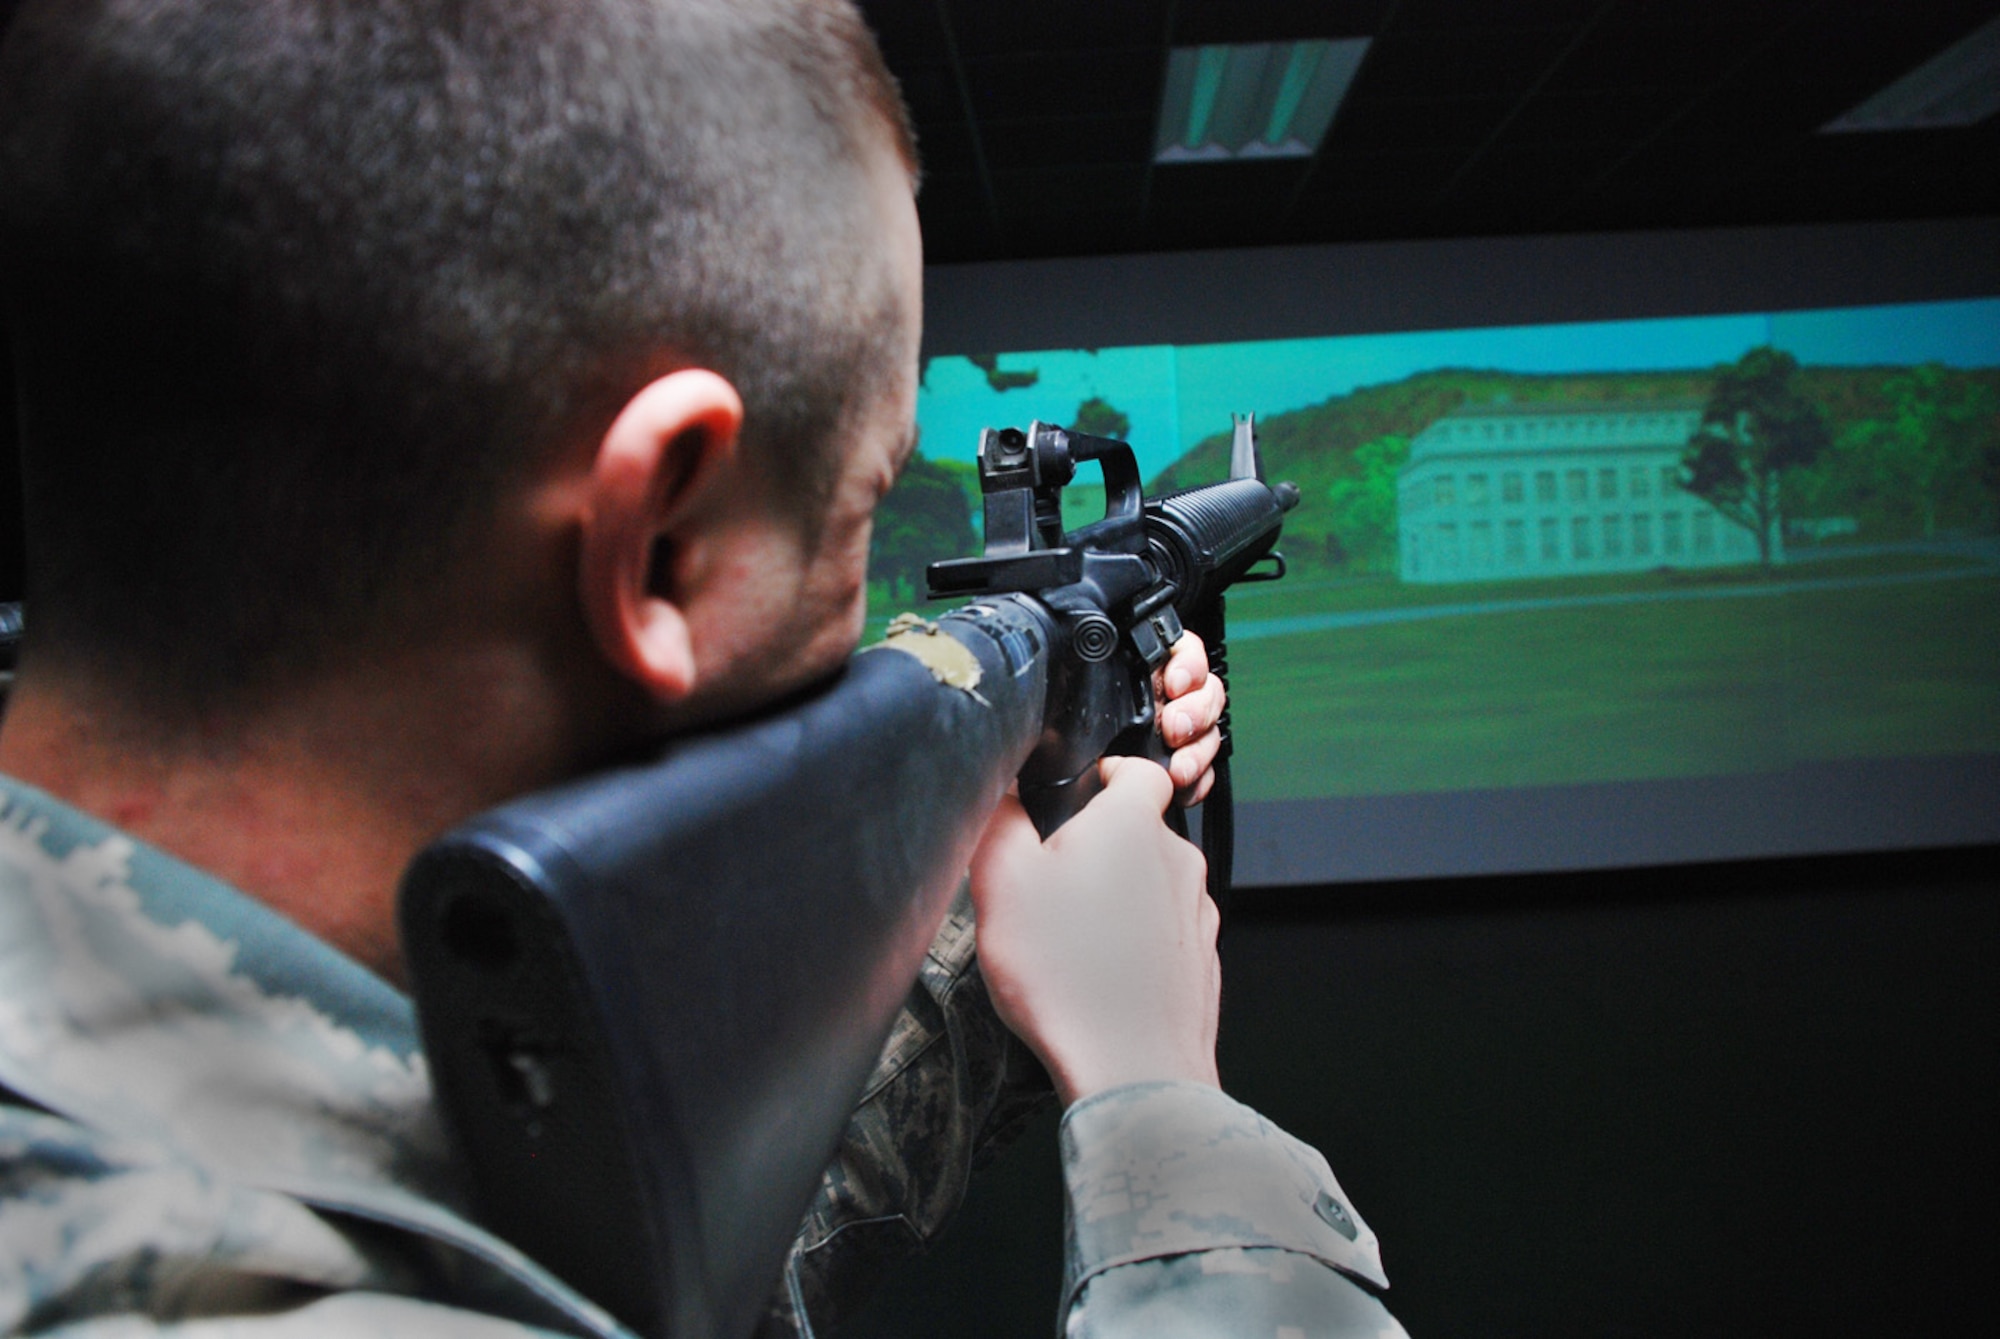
(1960, 86)
(1228, 103)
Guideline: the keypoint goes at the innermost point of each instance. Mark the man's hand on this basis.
(1191, 701)
(1098, 946)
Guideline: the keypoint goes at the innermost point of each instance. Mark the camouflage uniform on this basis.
(213, 1124)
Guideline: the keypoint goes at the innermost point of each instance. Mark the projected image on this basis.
(1548, 555)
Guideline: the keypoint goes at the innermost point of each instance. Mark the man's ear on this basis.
(654, 466)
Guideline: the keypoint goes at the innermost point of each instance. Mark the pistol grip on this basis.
(1050, 806)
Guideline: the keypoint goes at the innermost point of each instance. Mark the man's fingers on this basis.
(1187, 665)
(1136, 781)
(1188, 763)
(1193, 715)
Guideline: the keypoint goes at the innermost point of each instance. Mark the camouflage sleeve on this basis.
(1190, 1214)
(338, 1316)
(952, 1088)
(101, 1236)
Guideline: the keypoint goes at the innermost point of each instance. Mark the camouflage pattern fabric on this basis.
(213, 1124)
(207, 1116)
(1191, 1215)
(951, 1090)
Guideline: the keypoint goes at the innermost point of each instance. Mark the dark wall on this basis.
(1200, 297)
(1748, 1099)
(12, 557)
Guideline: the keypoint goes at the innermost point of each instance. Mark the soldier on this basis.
(422, 404)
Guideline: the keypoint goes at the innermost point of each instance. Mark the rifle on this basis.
(650, 998)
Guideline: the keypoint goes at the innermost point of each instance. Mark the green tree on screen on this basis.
(1097, 417)
(1755, 427)
(1928, 449)
(1001, 379)
(1361, 507)
(924, 518)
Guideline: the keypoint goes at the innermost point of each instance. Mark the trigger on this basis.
(1153, 636)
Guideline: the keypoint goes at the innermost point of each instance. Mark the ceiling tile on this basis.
(1464, 15)
(945, 148)
(1076, 139)
(904, 29)
(1197, 22)
(931, 92)
(1384, 123)
(952, 238)
(955, 193)
(1119, 81)
(1594, 118)
(1533, 177)
(1418, 175)
(1620, 57)
(1266, 182)
(1210, 223)
(1504, 63)
(1067, 189)
(986, 28)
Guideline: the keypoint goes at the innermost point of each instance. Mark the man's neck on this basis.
(314, 807)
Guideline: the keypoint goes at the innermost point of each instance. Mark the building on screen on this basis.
(1519, 490)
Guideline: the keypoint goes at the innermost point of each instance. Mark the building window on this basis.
(1607, 485)
(1670, 534)
(1614, 536)
(1642, 536)
(1579, 537)
(1640, 481)
(1510, 486)
(1514, 543)
(1551, 540)
(1577, 484)
(1482, 545)
(1447, 546)
(1704, 533)
(1507, 432)
(1545, 485)
(1443, 491)
(1670, 479)
(1489, 432)
(1475, 490)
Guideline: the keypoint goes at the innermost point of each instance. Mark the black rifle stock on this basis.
(650, 999)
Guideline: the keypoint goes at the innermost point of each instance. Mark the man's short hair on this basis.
(297, 286)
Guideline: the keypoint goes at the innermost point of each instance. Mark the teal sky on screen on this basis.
(955, 403)
(1177, 396)
(1959, 334)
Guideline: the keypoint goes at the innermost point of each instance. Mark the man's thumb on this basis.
(1010, 836)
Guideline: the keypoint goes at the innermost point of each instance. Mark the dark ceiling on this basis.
(1468, 117)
